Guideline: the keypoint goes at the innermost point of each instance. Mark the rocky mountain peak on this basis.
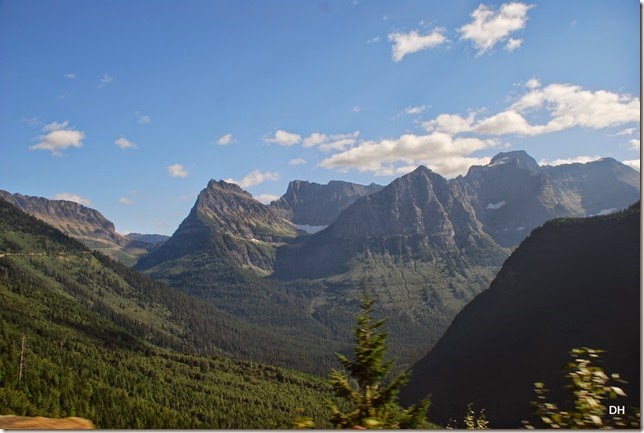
(516, 158)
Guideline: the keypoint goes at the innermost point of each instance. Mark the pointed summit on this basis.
(517, 158)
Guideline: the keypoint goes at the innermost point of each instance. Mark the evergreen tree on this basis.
(372, 403)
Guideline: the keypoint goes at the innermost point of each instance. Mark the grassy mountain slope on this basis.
(571, 283)
(147, 309)
(100, 340)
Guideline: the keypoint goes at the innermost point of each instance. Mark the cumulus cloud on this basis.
(297, 161)
(634, 163)
(254, 178)
(566, 105)
(532, 83)
(412, 42)
(577, 159)
(59, 137)
(73, 197)
(513, 44)
(489, 27)
(284, 138)
(126, 201)
(105, 80)
(226, 139)
(327, 142)
(266, 198)
(634, 144)
(177, 170)
(123, 143)
(439, 151)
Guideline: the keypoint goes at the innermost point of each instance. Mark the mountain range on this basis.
(572, 283)
(87, 225)
(423, 245)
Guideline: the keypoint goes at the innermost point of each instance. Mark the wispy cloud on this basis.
(489, 28)
(373, 40)
(177, 170)
(627, 131)
(533, 83)
(73, 197)
(59, 137)
(123, 143)
(297, 161)
(125, 201)
(413, 110)
(356, 109)
(70, 76)
(284, 138)
(226, 139)
(413, 41)
(105, 80)
(141, 118)
(254, 178)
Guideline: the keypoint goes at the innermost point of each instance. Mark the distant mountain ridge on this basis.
(571, 283)
(313, 204)
(83, 223)
(423, 245)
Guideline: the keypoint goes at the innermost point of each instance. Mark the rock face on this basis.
(230, 227)
(83, 223)
(571, 283)
(513, 195)
(418, 217)
(313, 204)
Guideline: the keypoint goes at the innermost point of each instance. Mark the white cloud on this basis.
(266, 198)
(226, 139)
(576, 159)
(105, 80)
(438, 151)
(124, 143)
(55, 126)
(418, 109)
(356, 109)
(627, 131)
(126, 201)
(73, 197)
(254, 178)
(489, 28)
(566, 105)
(634, 144)
(412, 42)
(284, 138)
(532, 83)
(373, 40)
(327, 142)
(297, 161)
(513, 44)
(143, 119)
(70, 76)
(58, 138)
(177, 170)
(634, 163)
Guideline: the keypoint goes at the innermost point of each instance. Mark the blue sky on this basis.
(132, 106)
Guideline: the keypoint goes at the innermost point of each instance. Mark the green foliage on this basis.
(373, 403)
(472, 421)
(592, 389)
